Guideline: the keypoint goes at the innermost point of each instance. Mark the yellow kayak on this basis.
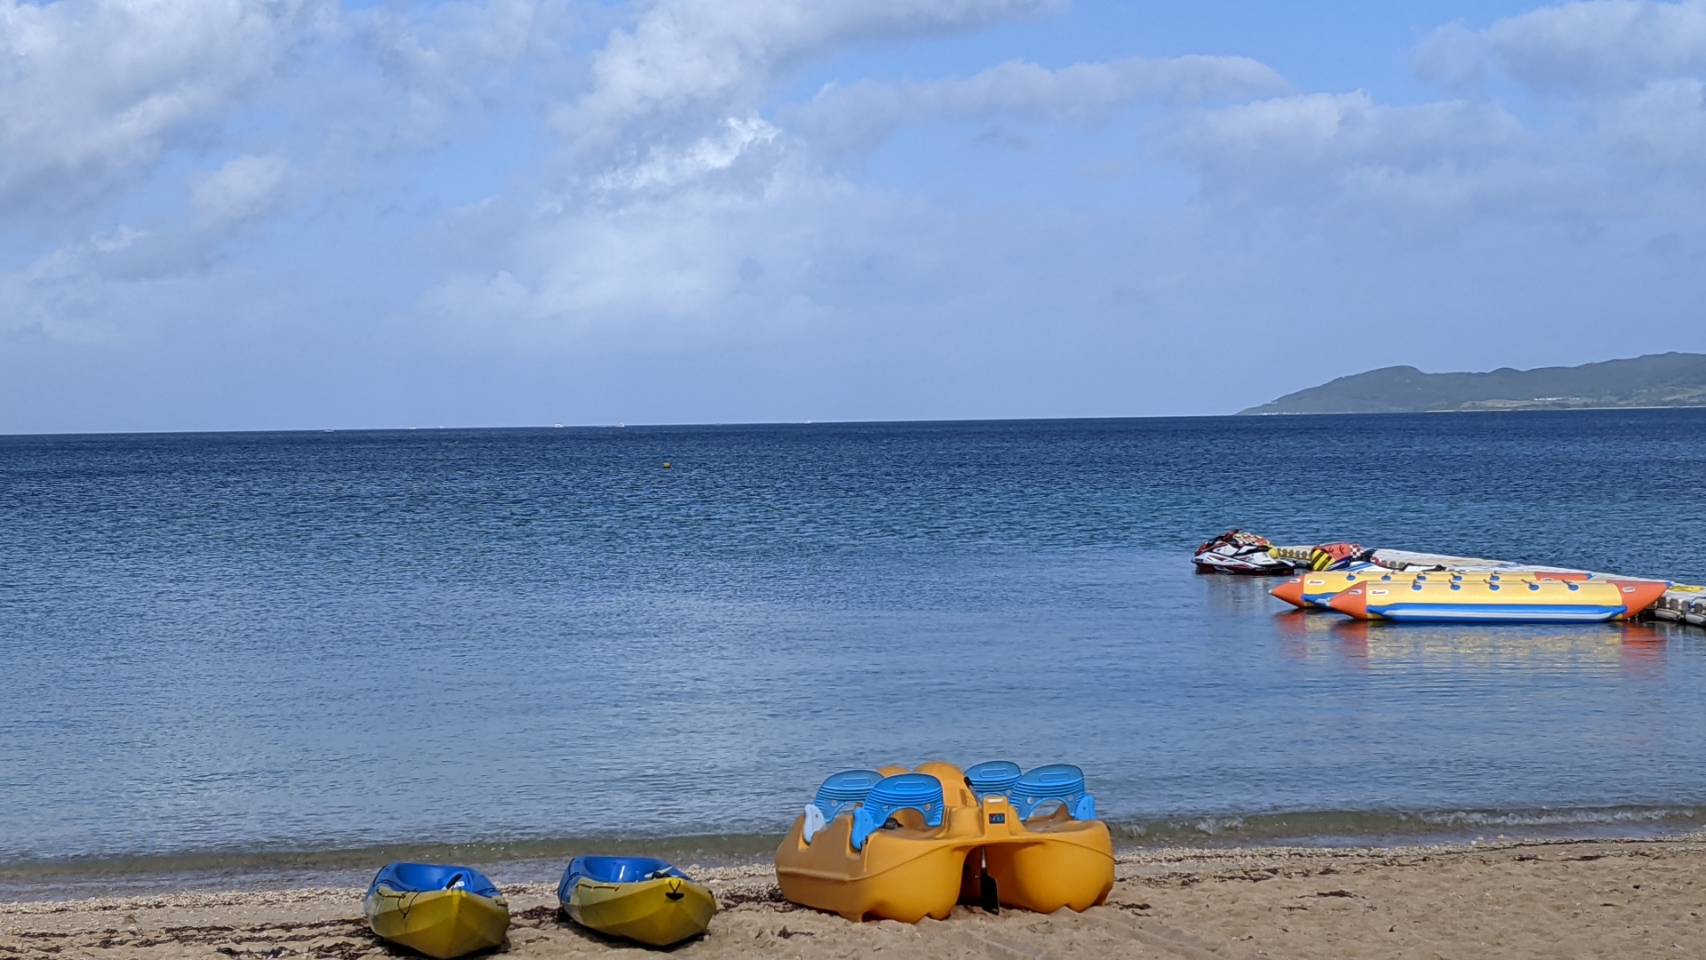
(639, 898)
(441, 911)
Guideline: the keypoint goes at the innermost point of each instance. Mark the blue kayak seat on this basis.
(992, 777)
(843, 789)
(405, 877)
(614, 870)
(1056, 781)
(903, 791)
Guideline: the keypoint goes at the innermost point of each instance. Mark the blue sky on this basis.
(218, 214)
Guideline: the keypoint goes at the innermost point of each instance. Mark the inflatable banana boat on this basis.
(899, 845)
(1315, 589)
(441, 911)
(1521, 601)
(639, 898)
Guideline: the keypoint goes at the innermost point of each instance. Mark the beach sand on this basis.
(1541, 899)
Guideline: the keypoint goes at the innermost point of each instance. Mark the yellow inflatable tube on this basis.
(981, 850)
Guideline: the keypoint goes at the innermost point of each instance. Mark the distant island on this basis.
(1655, 380)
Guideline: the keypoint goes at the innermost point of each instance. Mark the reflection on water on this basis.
(1639, 646)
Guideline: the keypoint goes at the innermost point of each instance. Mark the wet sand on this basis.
(1541, 899)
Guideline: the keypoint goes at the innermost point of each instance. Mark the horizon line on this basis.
(1248, 414)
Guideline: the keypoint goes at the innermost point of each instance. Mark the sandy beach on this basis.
(1538, 899)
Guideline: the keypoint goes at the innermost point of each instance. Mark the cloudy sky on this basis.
(249, 214)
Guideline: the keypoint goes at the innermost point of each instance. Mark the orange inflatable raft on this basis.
(898, 845)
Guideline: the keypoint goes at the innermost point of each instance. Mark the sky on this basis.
(306, 214)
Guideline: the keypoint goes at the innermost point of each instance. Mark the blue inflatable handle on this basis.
(903, 791)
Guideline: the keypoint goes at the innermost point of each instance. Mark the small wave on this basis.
(1338, 827)
(542, 860)
(531, 861)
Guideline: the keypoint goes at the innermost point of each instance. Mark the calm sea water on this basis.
(297, 642)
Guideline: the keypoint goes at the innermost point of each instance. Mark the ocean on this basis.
(299, 648)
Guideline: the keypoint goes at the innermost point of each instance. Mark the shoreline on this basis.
(1530, 898)
(540, 861)
(543, 861)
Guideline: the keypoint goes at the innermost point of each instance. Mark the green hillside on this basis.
(1656, 380)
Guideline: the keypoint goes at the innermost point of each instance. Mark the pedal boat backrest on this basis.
(903, 791)
(844, 789)
(992, 778)
(1056, 781)
(839, 791)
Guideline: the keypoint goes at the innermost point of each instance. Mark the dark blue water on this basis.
(317, 641)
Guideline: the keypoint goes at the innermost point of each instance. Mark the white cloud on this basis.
(92, 92)
(83, 290)
(244, 188)
(450, 58)
(862, 113)
(1345, 153)
(1660, 127)
(1574, 48)
(665, 168)
(648, 272)
(687, 65)
(1628, 71)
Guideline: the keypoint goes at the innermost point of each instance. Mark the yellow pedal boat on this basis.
(441, 911)
(640, 898)
(904, 846)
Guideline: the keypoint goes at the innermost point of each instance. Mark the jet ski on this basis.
(1241, 552)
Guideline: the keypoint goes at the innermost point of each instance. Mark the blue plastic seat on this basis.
(992, 777)
(844, 788)
(1056, 781)
(903, 791)
(613, 870)
(403, 877)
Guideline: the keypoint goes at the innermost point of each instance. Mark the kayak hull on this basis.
(439, 923)
(657, 912)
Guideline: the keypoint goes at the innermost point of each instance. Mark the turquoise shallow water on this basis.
(263, 643)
